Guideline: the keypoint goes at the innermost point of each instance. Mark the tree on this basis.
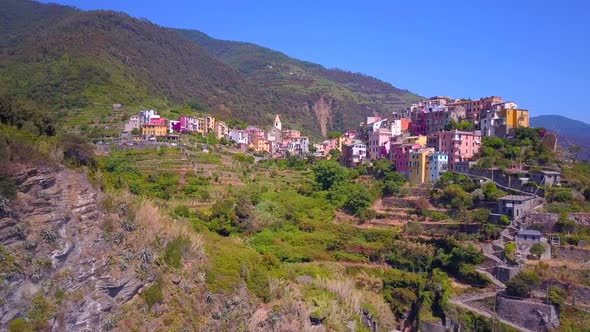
(329, 173)
(334, 153)
(537, 250)
(491, 192)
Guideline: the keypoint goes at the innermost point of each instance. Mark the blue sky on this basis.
(536, 53)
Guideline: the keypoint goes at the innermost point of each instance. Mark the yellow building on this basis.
(419, 171)
(201, 128)
(260, 144)
(210, 123)
(516, 118)
(341, 141)
(153, 130)
(221, 130)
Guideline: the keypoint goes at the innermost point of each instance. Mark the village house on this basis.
(238, 136)
(419, 170)
(133, 123)
(516, 206)
(458, 145)
(546, 178)
(147, 115)
(192, 124)
(528, 236)
(400, 156)
(379, 143)
(260, 144)
(353, 154)
(298, 146)
(220, 130)
(438, 163)
(150, 131)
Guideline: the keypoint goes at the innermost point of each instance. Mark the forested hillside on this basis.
(61, 58)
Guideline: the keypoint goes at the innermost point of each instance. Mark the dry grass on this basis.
(152, 224)
(344, 289)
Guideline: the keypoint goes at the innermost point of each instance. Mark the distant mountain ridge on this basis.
(64, 58)
(569, 131)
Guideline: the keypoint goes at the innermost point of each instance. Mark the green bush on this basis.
(523, 283)
(7, 188)
(557, 296)
(19, 325)
(174, 251)
(329, 173)
(435, 215)
(153, 294)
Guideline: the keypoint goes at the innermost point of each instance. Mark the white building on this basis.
(239, 136)
(133, 123)
(147, 115)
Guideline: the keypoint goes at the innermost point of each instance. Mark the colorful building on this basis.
(151, 131)
(400, 156)
(379, 143)
(192, 124)
(239, 136)
(260, 144)
(133, 123)
(438, 163)
(458, 145)
(516, 118)
(419, 166)
(220, 129)
(353, 154)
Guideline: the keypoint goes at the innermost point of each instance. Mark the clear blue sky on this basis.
(535, 52)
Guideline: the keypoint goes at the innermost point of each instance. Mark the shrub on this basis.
(522, 284)
(174, 251)
(77, 151)
(557, 296)
(19, 325)
(537, 250)
(329, 173)
(504, 220)
(49, 235)
(153, 294)
(7, 187)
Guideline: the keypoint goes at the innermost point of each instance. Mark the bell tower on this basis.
(278, 124)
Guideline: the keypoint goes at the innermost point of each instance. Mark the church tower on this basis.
(277, 124)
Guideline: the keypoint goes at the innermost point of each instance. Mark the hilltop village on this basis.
(423, 141)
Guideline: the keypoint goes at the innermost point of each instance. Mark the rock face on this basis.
(55, 231)
(323, 113)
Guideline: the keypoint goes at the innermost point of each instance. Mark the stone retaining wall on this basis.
(531, 315)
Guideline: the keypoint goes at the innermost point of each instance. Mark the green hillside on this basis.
(65, 59)
(351, 96)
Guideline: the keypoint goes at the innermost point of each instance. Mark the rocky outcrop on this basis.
(56, 232)
(323, 112)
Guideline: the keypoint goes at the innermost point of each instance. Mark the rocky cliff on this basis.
(55, 234)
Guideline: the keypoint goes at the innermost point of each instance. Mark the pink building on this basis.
(400, 156)
(254, 133)
(378, 146)
(188, 123)
(460, 146)
(158, 121)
